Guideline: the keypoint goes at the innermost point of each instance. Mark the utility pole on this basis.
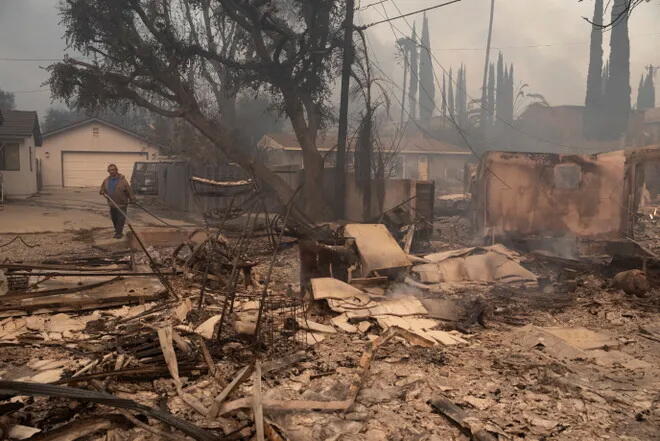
(340, 166)
(484, 92)
(404, 47)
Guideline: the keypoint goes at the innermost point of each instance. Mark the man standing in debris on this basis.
(117, 188)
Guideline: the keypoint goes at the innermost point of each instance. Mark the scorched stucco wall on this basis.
(521, 194)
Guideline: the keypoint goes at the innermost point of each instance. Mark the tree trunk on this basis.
(314, 194)
(304, 121)
(227, 104)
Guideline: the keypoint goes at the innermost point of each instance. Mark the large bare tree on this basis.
(190, 59)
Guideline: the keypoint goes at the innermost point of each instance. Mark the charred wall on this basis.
(528, 194)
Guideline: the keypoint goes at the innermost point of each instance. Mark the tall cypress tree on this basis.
(510, 95)
(457, 98)
(505, 94)
(414, 76)
(606, 78)
(594, 97)
(617, 92)
(491, 95)
(649, 89)
(426, 79)
(646, 92)
(464, 96)
(444, 95)
(641, 94)
(499, 92)
(504, 102)
(461, 96)
(450, 95)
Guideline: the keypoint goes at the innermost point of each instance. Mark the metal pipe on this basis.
(152, 263)
(90, 274)
(204, 282)
(264, 291)
(28, 266)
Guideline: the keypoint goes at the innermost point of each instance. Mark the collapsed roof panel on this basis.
(377, 248)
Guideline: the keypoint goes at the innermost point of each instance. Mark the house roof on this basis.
(417, 143)
(98, 121)
(17, 125)
(536, 109)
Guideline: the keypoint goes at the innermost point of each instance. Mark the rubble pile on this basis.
(353, 338)
(453, 232)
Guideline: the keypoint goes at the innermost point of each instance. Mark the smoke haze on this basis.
(548, 42)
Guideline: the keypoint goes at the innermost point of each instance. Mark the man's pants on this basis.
(118, 219)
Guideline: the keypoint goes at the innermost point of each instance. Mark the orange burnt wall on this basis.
(527, 194)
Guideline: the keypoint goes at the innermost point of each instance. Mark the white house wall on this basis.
(81, 139)
(22, 183)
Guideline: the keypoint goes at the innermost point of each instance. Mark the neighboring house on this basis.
(413, 156)
(19, 137)
(651, 126)
(554, 129)
(559, 129)
(567, 119)
(78, 155)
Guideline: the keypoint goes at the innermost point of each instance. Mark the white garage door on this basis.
(89, 169)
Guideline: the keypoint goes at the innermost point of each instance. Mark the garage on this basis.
(88, 169)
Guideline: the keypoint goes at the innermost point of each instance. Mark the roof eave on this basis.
(106, 123)
(11, 138)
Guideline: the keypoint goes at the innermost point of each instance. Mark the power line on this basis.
(494, 115)
(621, 16)
(451, 117)
(30, 59)
(374, 56)
(30, 91)
(454, 122)
(532, 46)
(411, 119)
(365, 7)
(478, 49)
(395, 29)
(410, 13)
(440, 49)
(422, 88)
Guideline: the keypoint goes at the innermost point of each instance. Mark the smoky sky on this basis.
(547, 40)
(28, 29)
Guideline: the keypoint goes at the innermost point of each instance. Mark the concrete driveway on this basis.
(66, 209)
